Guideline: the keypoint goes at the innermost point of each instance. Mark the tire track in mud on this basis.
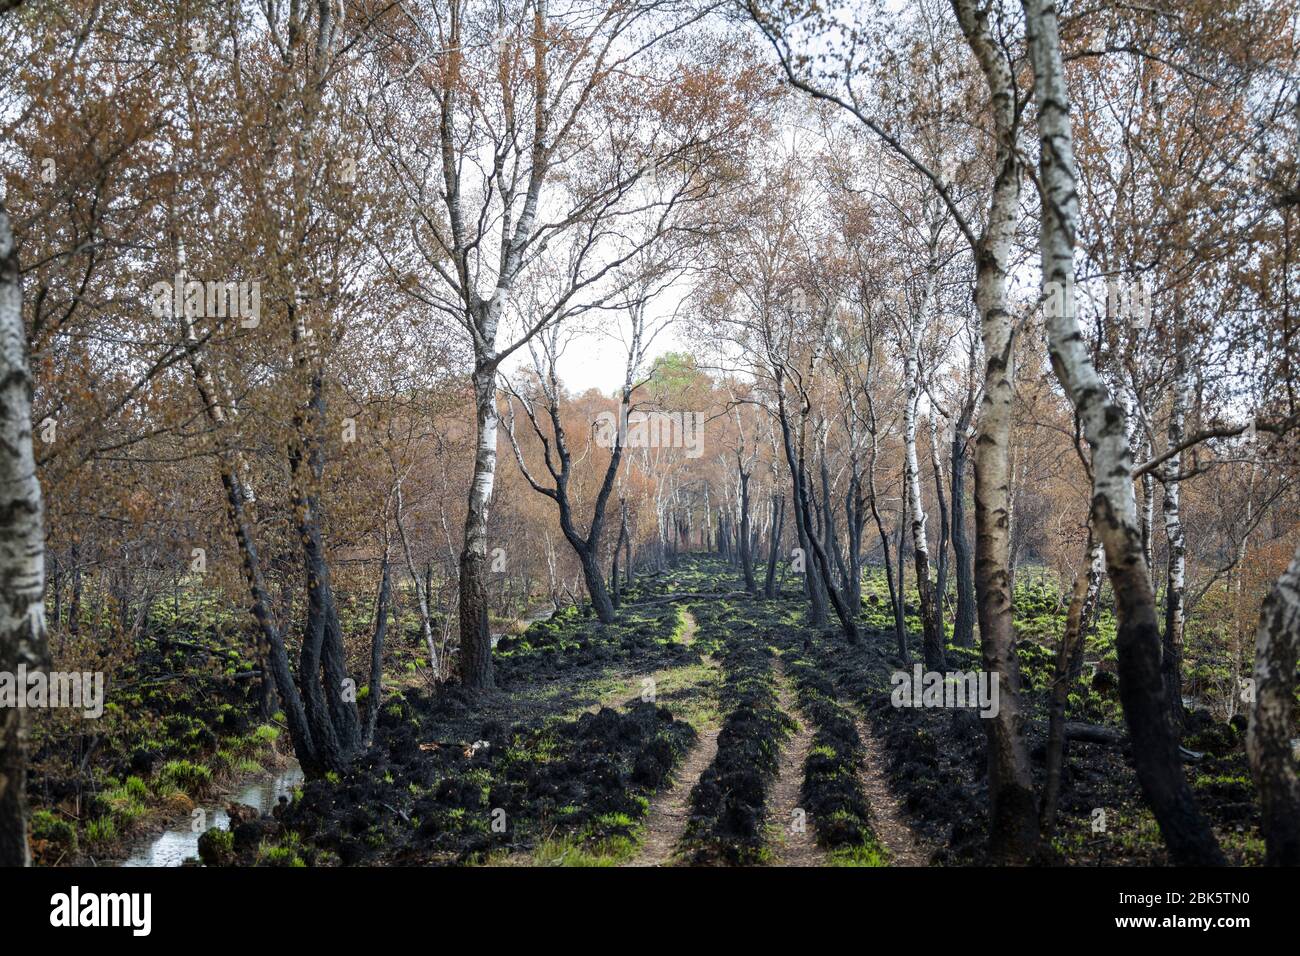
(887, 820)
(670, 810)
(791, 840)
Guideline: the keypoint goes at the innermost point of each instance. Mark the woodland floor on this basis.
(706, 731)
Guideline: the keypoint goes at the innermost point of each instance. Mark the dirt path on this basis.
(887, 820)
(792, 839)
(688, 632)
(671, 810)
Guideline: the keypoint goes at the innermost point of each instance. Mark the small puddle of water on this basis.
(178, 843)
(543, 613)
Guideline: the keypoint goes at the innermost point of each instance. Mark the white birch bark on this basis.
(1013, 811)
(1155, 744)
(22, 549)
(1171, 507)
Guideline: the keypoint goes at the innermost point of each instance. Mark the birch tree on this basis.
(1142, 689)
(22, 545)
(521, 98)
(22, 549)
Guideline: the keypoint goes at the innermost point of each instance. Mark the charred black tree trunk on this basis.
(559, 463)
(1068, 655)
(1273, 718)
(774, 546)
(746, 555)
(819, 573)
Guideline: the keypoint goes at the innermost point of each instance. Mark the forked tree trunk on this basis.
(1013, 815)
(931, 639)
(1142, 690)
(22, 550)
(336, 726)
(818, 565)
(1273, 718)
(291, 697)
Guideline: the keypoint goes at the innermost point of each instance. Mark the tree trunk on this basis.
(774, 546)
(475, 634)
(963, 560)
(336, 726)
(941, 564)
(1085, 584)
(1142, 691)
(1013, 816)
(421, 589)
(375, 698)
(600, 602)
(818, 570)
(615, 583)
(746, 555)
(300, 730)
(932, 638)
(1176, 579)
(1273, 718)
(22, 550)
(898, 590)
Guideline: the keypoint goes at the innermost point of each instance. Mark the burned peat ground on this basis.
(575, 757)
(597, 748)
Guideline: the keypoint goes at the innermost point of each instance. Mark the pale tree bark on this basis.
(873, 502)
(945, 529)
(22, 550)
(1142, 691)
(1013, 818)
(493, 222)
(1273, 718)
(1148, 513)
(932, 638)
(1238, 582)
(1176, 578)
